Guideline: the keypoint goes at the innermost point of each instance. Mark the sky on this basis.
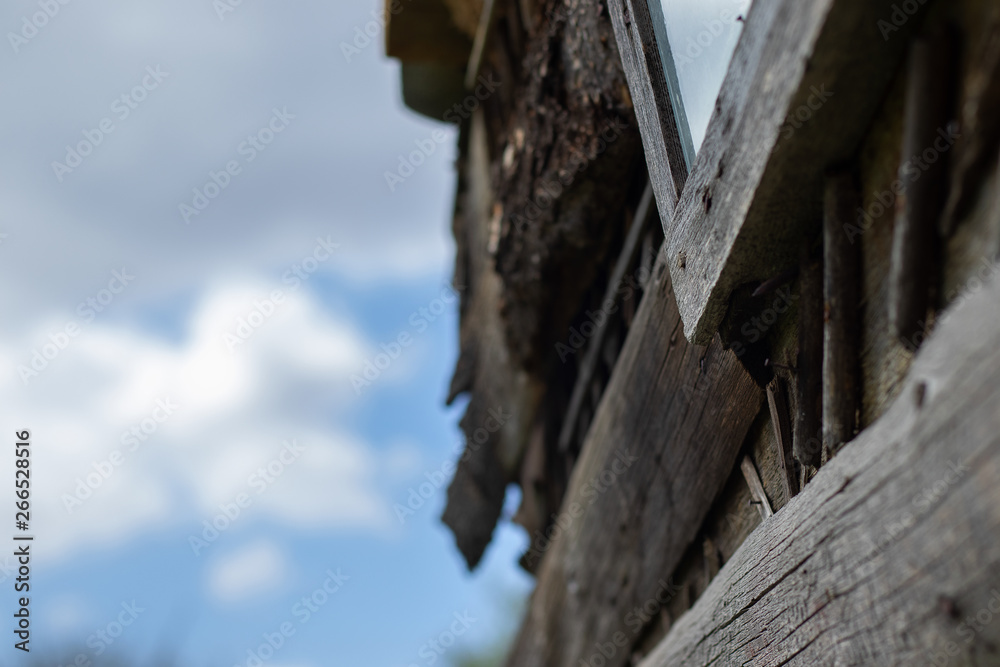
(702, 35)
(200, 251)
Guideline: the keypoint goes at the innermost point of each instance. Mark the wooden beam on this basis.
(793, 102)
(807, 440)
(915, 238)
(635, 33)
(589, 364)
(889, 556)
(621, 532)
(842, 312)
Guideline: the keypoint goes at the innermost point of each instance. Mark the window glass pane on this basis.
(697, 45)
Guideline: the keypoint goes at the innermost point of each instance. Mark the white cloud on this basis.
(192, 421)
(323, 175)
(403, 460)
(254, 570)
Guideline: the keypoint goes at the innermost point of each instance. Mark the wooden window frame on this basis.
(755, 189)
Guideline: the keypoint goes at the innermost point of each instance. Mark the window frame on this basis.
(755, 188)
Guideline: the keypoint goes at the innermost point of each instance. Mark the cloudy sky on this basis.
(200, 250)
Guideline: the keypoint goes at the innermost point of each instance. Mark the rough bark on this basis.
(563, 170)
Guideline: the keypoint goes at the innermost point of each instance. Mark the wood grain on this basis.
(635, 33)
(777, 403)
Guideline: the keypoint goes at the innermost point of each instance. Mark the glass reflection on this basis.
(696, 39)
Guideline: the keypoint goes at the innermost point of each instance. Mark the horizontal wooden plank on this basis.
(664, 440)
(890, 556)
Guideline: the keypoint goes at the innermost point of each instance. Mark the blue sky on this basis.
(133, 307)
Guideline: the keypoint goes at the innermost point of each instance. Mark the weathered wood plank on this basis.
(890, 556)
(915, 261)
(485, 370)
(622, 531)
(661, 140)
(979, 110)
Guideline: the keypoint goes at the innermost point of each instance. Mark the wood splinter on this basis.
(777, 403)
(756, 488)
(479, 43)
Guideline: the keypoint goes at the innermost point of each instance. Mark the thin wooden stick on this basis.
(590, 359)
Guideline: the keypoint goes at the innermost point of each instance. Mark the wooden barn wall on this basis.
(620, 609)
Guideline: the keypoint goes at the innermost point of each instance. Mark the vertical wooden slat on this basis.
(806, 441)
(842, 313)
(923, 173)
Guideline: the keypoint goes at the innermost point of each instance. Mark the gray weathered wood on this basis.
(793, 102)
(914, 243)
(633, 533)
(890, 556)
(842, 312)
